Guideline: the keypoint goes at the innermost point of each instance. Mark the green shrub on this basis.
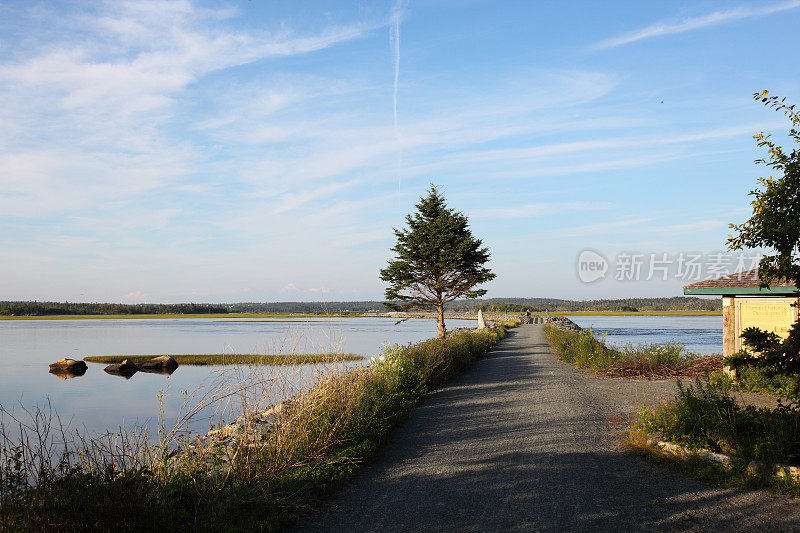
(703, 416)
(758, 379)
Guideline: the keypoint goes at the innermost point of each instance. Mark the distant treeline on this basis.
(66, 308)
(675, 303)
(496, 305)
(308, 307)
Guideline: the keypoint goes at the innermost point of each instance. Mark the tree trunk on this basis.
(440, 320)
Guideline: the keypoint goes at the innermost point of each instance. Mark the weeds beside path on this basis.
(522, 441)
(655, 361)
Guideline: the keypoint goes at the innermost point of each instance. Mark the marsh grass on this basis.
(234, 359)
(587, 350)
(53, 478)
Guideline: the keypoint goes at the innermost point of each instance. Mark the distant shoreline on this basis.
(353, 315)
(178, 315)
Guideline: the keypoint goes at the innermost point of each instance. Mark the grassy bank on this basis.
(704, 417)
(323, 437)
(232, 359)
(586, 350)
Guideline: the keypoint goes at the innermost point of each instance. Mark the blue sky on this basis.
(261, 151)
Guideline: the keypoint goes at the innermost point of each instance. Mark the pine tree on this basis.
(437, 260)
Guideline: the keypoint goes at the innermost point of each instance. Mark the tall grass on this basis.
(586, 350)
(50, 479)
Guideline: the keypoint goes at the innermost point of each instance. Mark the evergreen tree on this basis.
(437, 260)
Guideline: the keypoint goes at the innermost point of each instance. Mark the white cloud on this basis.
(135, 297)
(320, 290)
(290, 287)
(696, 23)
(87, 120)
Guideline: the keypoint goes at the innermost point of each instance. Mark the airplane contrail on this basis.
(394, 39)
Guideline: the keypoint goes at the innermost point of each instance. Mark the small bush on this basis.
(702, 416)
(756, 379)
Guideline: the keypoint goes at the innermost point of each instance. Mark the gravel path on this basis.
(522, 441)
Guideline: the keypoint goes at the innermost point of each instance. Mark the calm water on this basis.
(98, 401)
(701, 334)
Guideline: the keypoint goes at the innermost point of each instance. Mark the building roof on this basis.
(746, 282)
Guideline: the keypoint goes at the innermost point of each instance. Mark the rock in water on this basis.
(125, 369)
(69, 364)
(160, 364)
(481, 322)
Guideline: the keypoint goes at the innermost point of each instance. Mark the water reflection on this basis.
(125, 369)
(162, 370)
(65, 373)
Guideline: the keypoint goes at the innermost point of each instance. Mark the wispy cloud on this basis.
(595, 155)
(639, 226)
(540, 209)
(88, 120)
(394, 38)
(696, 23)
(291, 201)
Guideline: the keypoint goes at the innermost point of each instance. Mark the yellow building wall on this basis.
(770, 314)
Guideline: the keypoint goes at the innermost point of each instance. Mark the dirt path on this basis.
(521, 441)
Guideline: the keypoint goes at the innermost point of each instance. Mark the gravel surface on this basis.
(522, 441)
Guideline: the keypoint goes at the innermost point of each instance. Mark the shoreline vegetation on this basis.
(232, 359)
(493, 306)
(755, 447)
(320, 438)
(655, 361)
